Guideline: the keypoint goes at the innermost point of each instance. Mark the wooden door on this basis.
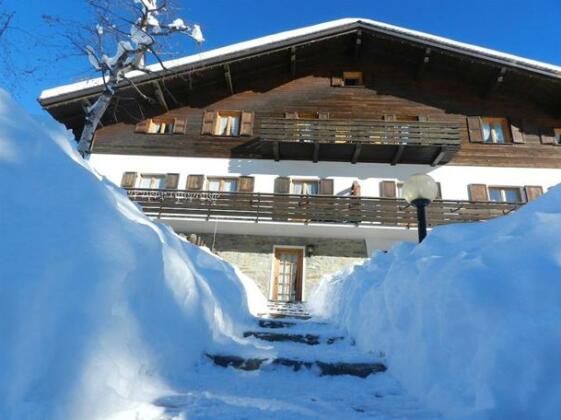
(287, 275)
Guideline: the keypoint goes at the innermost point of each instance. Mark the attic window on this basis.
(495, 130)
(161, 126)
(228, 124)
(353, 78)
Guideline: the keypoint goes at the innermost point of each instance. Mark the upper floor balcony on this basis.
(358, 140)
(305, 209)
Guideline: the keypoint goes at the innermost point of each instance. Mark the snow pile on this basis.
(469, 321)
(102, 310)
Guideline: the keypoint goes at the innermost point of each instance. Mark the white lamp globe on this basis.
(420, 187)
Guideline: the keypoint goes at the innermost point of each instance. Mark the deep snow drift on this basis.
(470, 321)
(101, 310)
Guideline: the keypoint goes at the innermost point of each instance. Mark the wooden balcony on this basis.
(262, 207)
(377, 141)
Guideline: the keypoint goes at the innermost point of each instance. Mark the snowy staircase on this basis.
(287, 310)
(300, 344)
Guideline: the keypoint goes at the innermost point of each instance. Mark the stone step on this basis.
(361, 370)
(274, 324)
(310, 339)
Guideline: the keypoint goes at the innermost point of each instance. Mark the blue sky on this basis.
(526, 28)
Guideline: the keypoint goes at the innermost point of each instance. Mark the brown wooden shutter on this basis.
(246, 125)
(475, 130)
(282, 185)
(337, 81)
(326, 187)
(246, 184)
(478, 192)
(388, 189)
(532, 192)
(142, 126)
(547, 136)
(128, 180)
(291, 115)
(195, 182)
(209, 122)
(179, 126)
(323, 115)
(172, 181)
(516, 130)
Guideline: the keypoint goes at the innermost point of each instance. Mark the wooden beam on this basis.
(228, 76)
(358, 44)
(160, 95)
(423, 65)
(356, 153)
(398, 153)
(439, 156)
(293, 61)
(315, 156)
(495, 83)
(86, 103)
(276, 151)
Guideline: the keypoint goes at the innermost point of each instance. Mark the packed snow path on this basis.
(288, 368)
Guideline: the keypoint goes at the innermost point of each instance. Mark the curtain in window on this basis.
(230, 185)
(487, 132)
(222, 126)
(214, 185)
(234, 126)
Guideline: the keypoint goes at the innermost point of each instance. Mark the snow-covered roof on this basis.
(310, 32)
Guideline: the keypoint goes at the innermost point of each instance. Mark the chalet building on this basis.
(287, 154)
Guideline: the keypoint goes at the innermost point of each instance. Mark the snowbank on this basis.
(101, 309)
(470, 321)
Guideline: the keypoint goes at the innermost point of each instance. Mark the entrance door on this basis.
(287, 275)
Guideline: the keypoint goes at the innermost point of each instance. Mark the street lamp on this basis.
(419, 190)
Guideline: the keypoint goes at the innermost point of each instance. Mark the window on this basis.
(557, 132)
(353, 78)
(505, 194)
(222, 184)
(495, 130)
(152, 181)
(227, 124)
(161, 126)
(305, 187)
(399, 190)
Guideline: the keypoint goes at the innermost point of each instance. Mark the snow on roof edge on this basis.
(309, 30)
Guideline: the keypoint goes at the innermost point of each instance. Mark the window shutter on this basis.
(291, 115)
(282, 185)
(142, 126)
(246, 184)
(326, 187)
(323, 115)
(532, 192)
(128, 180)
(475, 130)
(209, 122)
(547, 136)
(246, 126)
(516, 130)
(195, 182)
(388, 189)
(179, 126)
(172, 180)
(478, 192)
(337, 81)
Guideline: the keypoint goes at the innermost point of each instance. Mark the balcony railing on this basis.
(360, 140)
(264, 207)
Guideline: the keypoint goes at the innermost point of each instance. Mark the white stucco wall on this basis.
(454, 179)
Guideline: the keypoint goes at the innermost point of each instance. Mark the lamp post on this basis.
(420, 190)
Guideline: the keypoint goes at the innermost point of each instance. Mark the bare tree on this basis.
(5, 20)
(134, 30)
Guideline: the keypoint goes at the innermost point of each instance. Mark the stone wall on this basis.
(253, 255)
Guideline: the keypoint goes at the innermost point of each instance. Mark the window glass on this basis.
(512, 195)
(557, 135)
(505, 194)
(352, 78)
(152, 181)
(161, 126)
(495, 194)
(214, 184)
(305, 187)
(494, 130)
(228, 124)
(399, 190)
(223, 184)
(230, 185)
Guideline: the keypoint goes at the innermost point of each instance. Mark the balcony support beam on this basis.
(228, 76)
(293, 62)
(356, 153)
(439, 156)
(160, 95)
(315, 157)
(423, 65)
(495, 83)
(397, 156)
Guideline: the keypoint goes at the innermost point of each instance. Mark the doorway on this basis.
(288, 274)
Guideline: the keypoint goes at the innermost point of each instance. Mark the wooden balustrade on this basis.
(265, 207)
